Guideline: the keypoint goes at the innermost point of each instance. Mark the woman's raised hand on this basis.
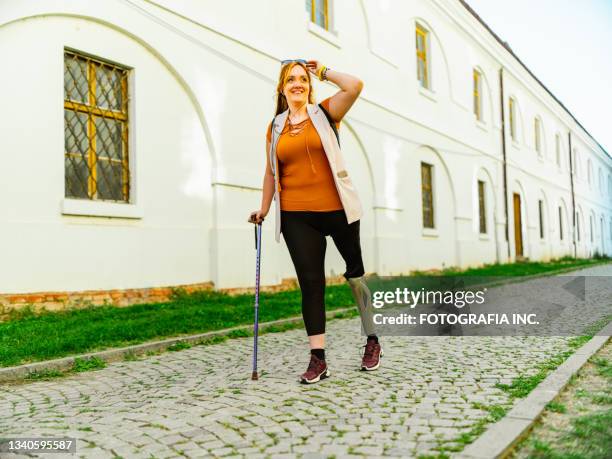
(313, 66)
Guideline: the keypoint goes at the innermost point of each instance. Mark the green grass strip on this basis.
(30, 337)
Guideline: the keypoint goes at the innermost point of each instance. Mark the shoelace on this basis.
(369, 349)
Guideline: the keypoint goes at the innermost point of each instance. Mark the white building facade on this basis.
(132, 141)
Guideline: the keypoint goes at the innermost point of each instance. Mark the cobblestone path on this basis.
(200, 402)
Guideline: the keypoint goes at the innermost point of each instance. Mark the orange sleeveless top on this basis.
(306, 180)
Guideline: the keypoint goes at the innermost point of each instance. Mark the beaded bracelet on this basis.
(320, 73)
(324, 73)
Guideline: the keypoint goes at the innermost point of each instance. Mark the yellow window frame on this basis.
(511, 119)
(93, 112)
(482, 216)
(422, 54)
(427, 199)
(313, 12)
(477, 101)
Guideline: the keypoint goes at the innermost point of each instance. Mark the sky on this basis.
(567, 44)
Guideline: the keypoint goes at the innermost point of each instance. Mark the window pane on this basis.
(481, 207)
(320, 12)
(75, 79)
(309, 6)
(109, 142)
(108, 88)
(421, 71)
(76, 146)
(541, 217)
(75, 132)
(109, 179)
(427, 196)
(76, 173)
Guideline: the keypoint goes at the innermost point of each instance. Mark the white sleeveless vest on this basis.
(346, 191)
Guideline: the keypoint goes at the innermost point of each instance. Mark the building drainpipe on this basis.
(569, 141)
(505, 165)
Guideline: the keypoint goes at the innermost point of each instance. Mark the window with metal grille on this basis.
(482, 207)
(427, 195)
(319, 12)
(541, 217)
(560, 223)
(477, 94)
(95, 129)
(512, 115)
(422, 56)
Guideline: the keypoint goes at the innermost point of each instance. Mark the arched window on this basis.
(477, 76)
(422, 56)
(427, 197)
(482, 207)
(319, 11)
(512, 118)
(537, 134)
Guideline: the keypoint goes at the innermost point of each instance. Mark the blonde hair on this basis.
(281, 101)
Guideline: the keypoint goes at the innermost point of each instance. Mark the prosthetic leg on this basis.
(363, 298)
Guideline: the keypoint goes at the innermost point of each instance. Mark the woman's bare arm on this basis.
(343, 100)
(268, 184)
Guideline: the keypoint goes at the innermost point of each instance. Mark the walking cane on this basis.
(257, 229)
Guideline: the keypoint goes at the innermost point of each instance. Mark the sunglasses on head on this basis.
(286, 61)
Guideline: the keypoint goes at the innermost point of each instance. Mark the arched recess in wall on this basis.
(489, 96)
(370, 42)
(436, 77)
(359, 168)
(159, 56)
(517, 187)
(437, 246)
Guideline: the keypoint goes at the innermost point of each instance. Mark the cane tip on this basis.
(254, 376)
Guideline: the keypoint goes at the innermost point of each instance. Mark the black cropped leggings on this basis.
(304, 233)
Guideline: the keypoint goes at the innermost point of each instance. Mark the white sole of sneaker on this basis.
(325, 374)
(376, 366)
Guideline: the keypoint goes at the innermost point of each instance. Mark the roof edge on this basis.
(506, 46)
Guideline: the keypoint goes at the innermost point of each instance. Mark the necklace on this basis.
(295, 129)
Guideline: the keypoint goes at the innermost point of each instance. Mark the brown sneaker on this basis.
(317, 370)
(371, 356)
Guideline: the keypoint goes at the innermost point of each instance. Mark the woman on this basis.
(315, 198)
